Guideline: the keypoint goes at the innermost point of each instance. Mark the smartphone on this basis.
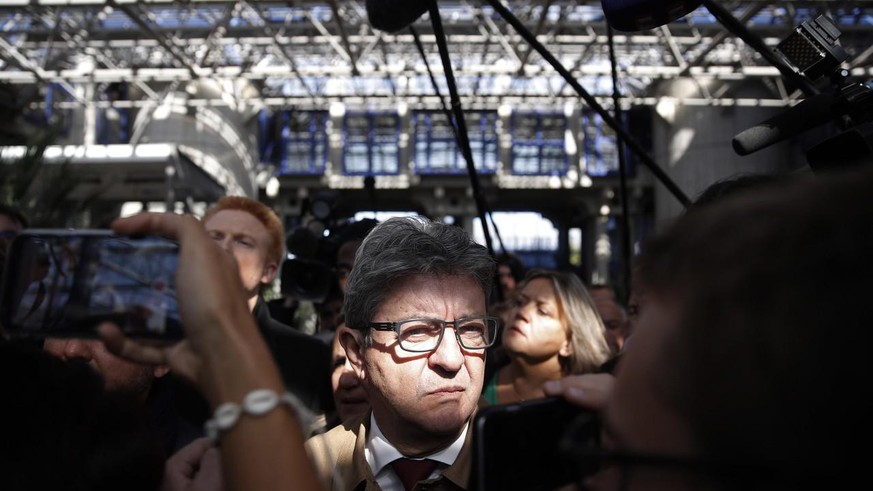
(63, 283)
(520, 446)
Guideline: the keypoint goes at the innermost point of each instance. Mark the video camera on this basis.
(812, 50)
(311, 273)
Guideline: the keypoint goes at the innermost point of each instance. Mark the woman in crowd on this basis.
(553, 330)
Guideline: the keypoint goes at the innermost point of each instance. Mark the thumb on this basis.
(188, 459)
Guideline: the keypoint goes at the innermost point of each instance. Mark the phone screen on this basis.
(64, 283)
(519, 446)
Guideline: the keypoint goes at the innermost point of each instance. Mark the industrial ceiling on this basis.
(308, 54)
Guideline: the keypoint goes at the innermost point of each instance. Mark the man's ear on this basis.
(352, 341)
(269, 274)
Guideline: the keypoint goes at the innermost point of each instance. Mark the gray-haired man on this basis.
(417, 332)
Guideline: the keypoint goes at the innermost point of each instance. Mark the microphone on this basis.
(809, 113)
(640, 15)
(394, 15)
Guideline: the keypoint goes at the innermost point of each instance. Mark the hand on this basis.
(208, 289)
(195, 467)
(589, 390)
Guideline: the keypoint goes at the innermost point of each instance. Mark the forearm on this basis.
(259, 452)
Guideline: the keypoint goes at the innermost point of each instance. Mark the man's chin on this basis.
(445, 421)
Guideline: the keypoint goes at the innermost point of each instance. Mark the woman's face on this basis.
(536, 327)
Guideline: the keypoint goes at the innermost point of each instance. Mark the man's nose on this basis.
(224, 243)
(449, 354)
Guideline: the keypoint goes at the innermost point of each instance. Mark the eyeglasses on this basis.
(424, 335)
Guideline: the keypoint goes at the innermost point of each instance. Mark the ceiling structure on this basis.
(317, 55)
(308, 54)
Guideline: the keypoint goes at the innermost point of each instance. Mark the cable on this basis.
(463, 138)
(591, 101)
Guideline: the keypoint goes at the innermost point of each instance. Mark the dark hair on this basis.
(356, 230)
(409, 246)
(769, 361)
(516, 267)
(15, 214)
(61, 430)
(731, 186)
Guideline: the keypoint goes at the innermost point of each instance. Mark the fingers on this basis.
(590, 391)
(209, 477)
(579, 397)
(120, 345)
(165, 224)
(182, 467)
(191, 454)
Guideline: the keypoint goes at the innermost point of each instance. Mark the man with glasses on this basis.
(416, 332)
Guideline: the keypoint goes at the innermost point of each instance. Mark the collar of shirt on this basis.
(379, 453)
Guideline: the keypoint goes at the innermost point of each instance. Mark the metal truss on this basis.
(307, 54)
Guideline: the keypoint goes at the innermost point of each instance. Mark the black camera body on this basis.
(311, 274)
(307, 279)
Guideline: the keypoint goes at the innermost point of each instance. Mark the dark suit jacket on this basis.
(303, 360)
(178, 411)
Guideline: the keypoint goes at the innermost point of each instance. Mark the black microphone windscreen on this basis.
(639, 15)
(809, 113)
(394, 15)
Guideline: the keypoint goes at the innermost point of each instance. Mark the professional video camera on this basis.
(311, 273)
(812, 50)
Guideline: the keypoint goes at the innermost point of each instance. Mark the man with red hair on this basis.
(254, 234)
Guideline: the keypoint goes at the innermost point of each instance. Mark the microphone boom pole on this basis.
(461, 125)
(622, 173)
(613, 123)
(468, 155)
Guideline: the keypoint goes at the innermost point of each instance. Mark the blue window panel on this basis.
(371, 144)
(538, 144)
(50, 116)
(600, 147)
(303, 142)
(437, 152)
(113, 124)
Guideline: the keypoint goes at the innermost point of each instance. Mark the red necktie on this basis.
(410, 471)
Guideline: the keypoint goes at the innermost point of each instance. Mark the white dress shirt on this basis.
(379, 453)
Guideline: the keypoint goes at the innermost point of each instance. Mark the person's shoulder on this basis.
(283, 335)
(337, 435)
(335, 448)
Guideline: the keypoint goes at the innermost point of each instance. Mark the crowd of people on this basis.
(739, 363)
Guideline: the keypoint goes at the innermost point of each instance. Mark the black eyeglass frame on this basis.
(395, 326)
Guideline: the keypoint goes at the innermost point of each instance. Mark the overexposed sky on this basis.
(519, 230)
